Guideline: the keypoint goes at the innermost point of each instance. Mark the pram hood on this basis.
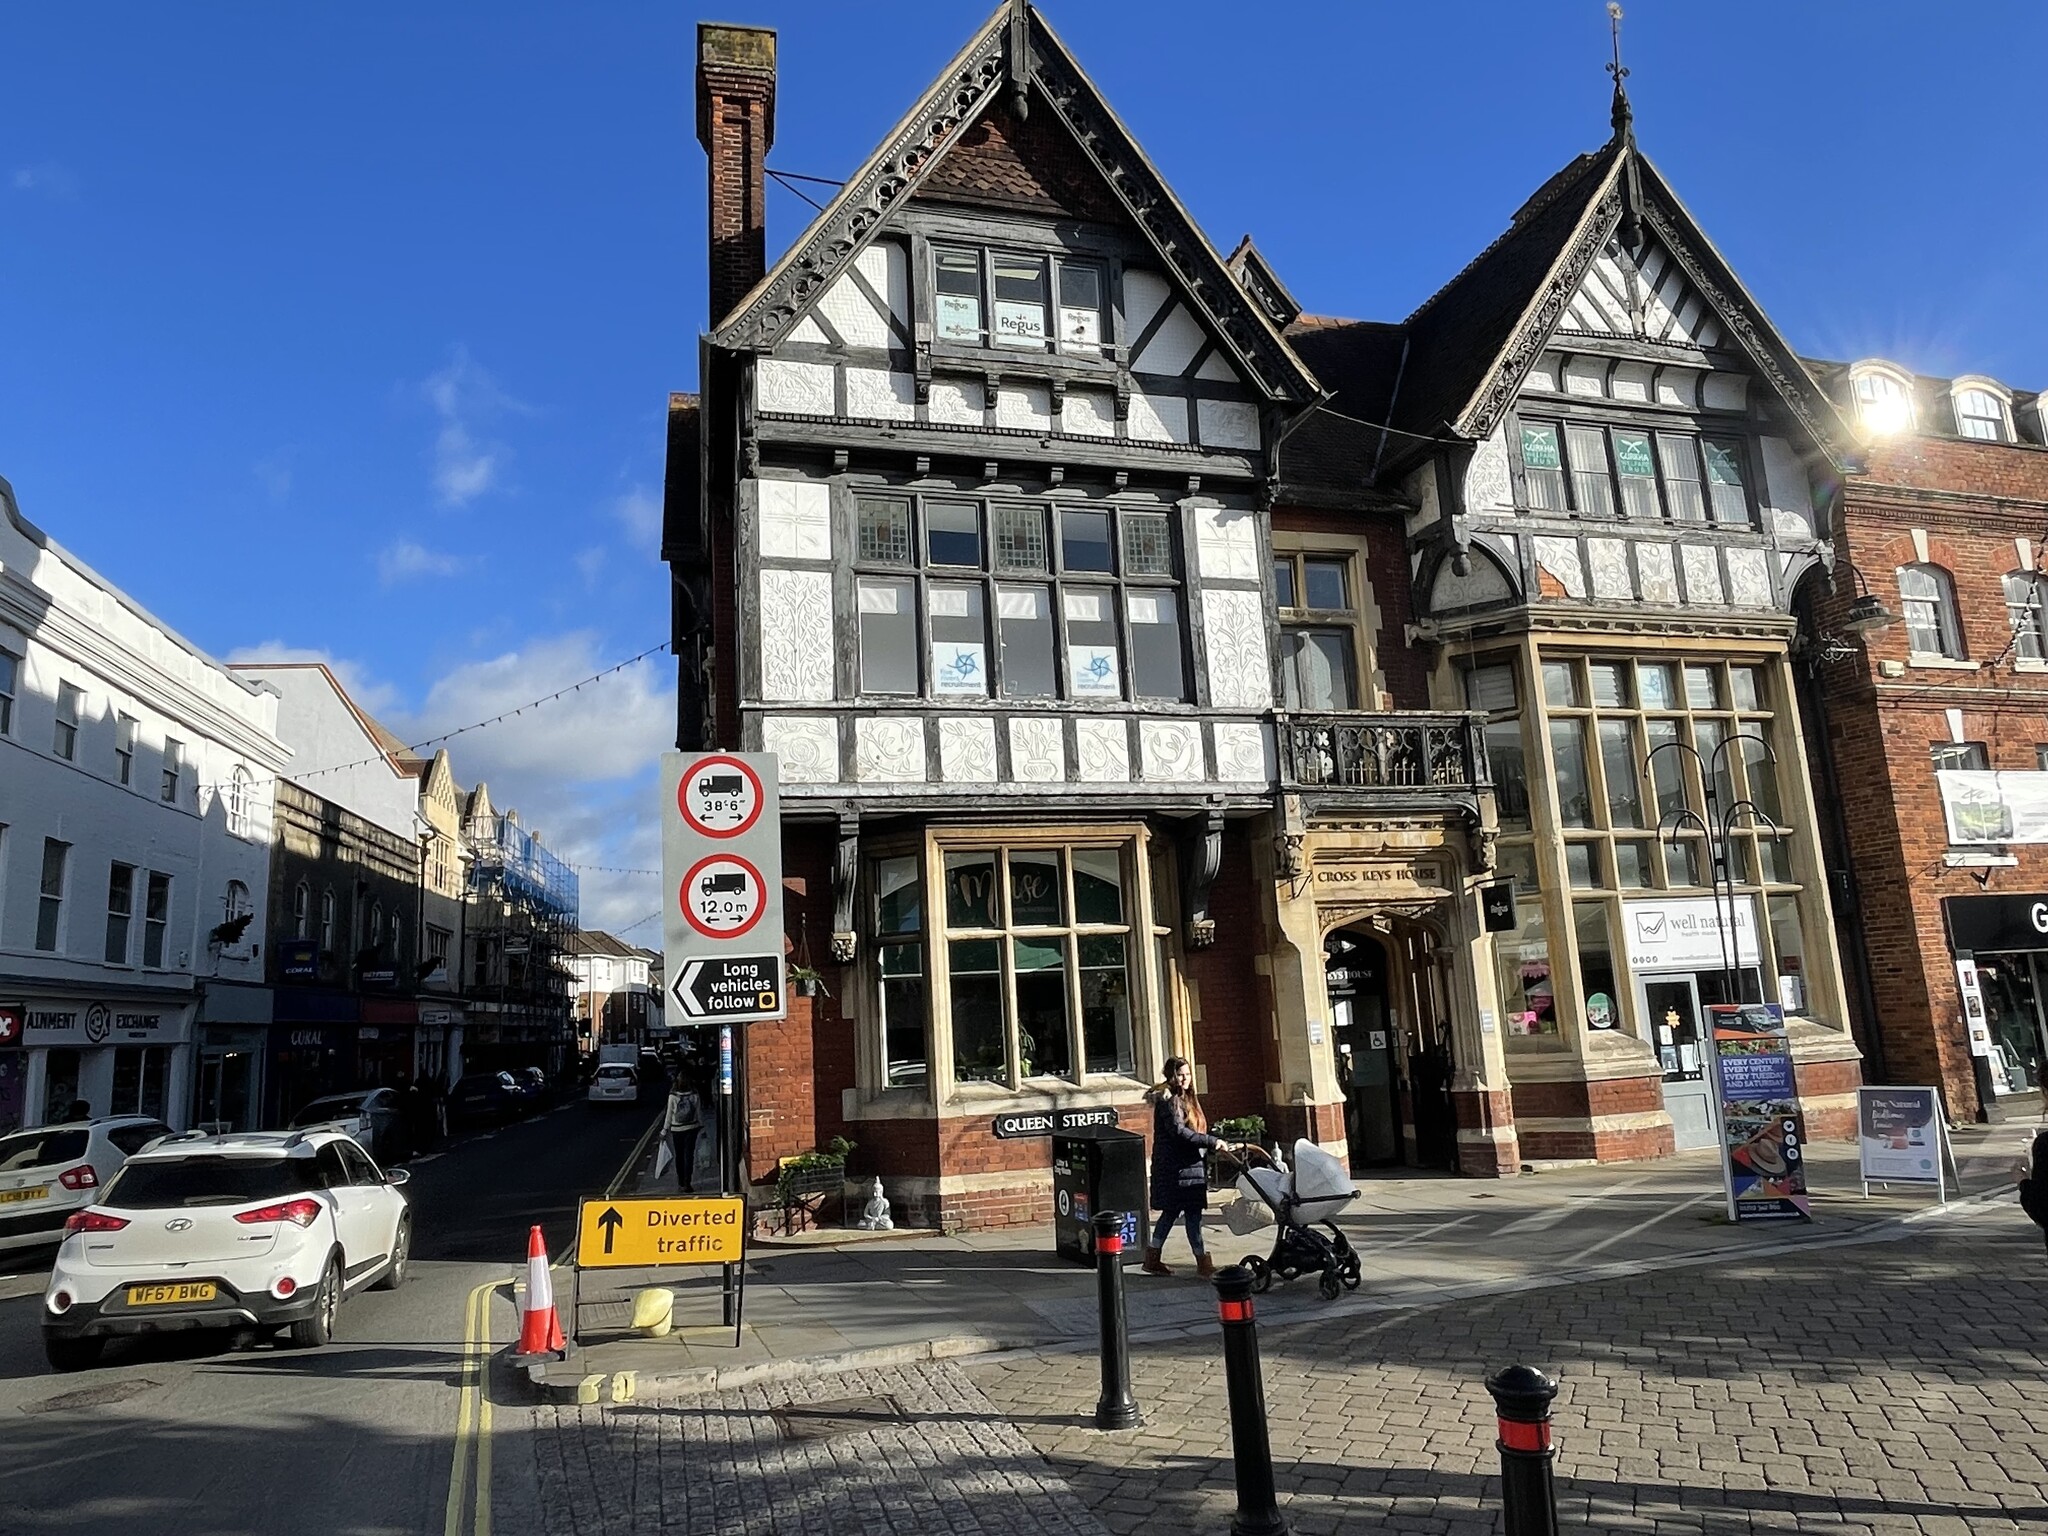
(1319, 1175)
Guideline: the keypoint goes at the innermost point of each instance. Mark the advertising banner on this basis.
(1763, 1131)
(1994, 807)
(1898, 1135)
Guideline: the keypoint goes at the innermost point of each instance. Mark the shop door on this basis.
(1357, 977)
(1671, 1006)
(227, 1089)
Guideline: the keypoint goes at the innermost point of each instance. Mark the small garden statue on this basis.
(874, 1216)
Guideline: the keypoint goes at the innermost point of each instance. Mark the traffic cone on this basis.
(540, 1325)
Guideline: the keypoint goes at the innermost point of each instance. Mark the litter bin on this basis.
(1095, 1168)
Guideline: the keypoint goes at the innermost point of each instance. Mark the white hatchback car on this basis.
(615, 1084)
(48, 1173)
(262, 1230)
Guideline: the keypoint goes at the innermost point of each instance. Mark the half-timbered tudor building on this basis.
(1617, 476)
(1135, 648)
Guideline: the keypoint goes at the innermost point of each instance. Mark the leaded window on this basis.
(1103, 620)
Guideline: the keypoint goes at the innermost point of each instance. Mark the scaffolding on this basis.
(523, 906)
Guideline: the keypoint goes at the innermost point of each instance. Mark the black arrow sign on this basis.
(611, 1221)
(727, 985)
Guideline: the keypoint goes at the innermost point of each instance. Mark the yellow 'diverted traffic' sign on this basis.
(686, 1229)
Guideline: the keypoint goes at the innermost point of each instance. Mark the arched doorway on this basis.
(1390, 1025)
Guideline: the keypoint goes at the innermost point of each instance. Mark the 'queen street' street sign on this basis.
(721, 861)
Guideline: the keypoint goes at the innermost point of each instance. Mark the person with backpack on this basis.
(685, 1125)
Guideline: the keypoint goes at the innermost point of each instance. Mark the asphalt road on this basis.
(193, 1436)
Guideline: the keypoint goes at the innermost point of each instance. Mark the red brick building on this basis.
(1932, 731)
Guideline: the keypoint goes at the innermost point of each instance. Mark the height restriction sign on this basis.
(721, 859)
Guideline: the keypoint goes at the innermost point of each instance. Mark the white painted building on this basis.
(617, 1002)
(135, 822)
(339, 751)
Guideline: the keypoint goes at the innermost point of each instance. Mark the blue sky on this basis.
(348, 330)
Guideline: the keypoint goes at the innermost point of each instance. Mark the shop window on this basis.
(10, 681)
(1490, 689)
(1598, 993)
(70, 702)
(50, 902)
(1929, 598)
(120, 910)
(1120, 630)
(1037, 962)
(124, 748)
(899, 950)
(1522, 957)
(2026, 610)
(156, 918)
(140, 1075)
(1568, 761)
(60, 1083)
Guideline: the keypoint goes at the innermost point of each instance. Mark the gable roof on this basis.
(404, 761)
(1015, 48)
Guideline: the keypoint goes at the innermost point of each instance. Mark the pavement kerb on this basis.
(572, 1380)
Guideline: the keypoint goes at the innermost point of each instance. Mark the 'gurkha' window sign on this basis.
(1602, 472)
(1085, 602)
(1007, 299)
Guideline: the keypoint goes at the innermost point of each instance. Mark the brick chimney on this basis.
(736, 126)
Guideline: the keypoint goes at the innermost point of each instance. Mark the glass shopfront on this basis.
(2007, 937)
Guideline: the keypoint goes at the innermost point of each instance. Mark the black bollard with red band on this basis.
(1251, 1449)
(1528, 1496)
(1116, 1408)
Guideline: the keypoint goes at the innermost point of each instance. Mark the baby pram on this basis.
(1303, 1203)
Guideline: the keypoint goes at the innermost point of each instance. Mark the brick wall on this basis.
(1973, 501)
(1233, 1037)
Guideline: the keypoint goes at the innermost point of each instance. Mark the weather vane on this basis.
(1616, 69)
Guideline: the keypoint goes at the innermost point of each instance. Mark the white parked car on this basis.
(266, 1230)
(615, 1084)
(48, 1173)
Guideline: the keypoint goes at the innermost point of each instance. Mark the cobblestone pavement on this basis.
(1889, 1387)
(825, 1457)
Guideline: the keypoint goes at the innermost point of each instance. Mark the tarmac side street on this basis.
(1881, 1387)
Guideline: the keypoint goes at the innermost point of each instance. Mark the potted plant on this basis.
(805, 982)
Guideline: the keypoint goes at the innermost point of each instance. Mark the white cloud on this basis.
(590, 565)
(580, 770)
(467, 463)
(639, 513)
(49, 179)
(374, 696)
(406, 560)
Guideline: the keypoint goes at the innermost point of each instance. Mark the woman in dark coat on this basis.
(1180, 1181)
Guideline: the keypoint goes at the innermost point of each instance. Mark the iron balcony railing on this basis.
(1384, 751)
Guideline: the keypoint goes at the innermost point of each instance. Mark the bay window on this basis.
(1602, 471)
(1024, 301)
(1018, 601)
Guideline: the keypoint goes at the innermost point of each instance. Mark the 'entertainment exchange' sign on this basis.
(128, 1023)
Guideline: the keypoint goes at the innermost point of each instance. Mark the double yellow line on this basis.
(473, 1418)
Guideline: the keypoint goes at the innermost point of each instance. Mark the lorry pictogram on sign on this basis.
(720, 797)
(723, 896)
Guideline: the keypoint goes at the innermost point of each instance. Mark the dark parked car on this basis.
(533, 1082)
(485, 1098)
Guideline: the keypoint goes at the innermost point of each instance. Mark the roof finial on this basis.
(1623, 116)
(1020, 58)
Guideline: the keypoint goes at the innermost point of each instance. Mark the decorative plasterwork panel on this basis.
(807, 744)
(1242, 752)
(956, 403)
(1158, 419)
(879, 395)
(1088, 413)
(1227, 543)
(1234, 626)
(795, 519)
(889, 750)
(1657, 573)
(1171, 751)
(1609, 560)
(1560, 557)
(1787, 492)
(1487, 488)
(796, 635)
(796, 389)
(1749, 578)
(1028, 406)
(1038, 750)
(1104, 748)
(967, 750)
(1702, 574)
(1228, 423)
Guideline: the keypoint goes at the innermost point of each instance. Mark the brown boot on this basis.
(1205, 1266)
(1152, 1266)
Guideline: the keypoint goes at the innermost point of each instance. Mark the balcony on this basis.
(1386, 756)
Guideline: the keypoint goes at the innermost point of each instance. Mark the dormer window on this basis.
(1981, 414)
(1027, 303)
(1883, 402)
